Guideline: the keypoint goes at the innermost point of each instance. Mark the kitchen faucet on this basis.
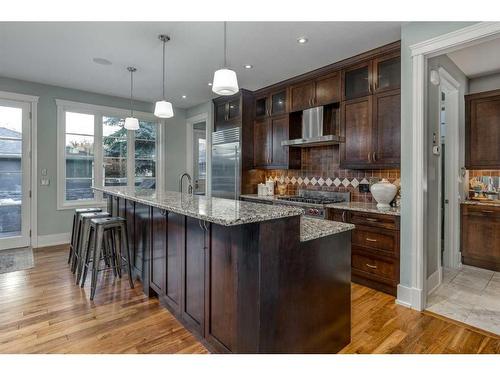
(190, 186)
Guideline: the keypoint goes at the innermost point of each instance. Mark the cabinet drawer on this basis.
(481, 210)
(375, 239)
(382, 269)
(375, 220)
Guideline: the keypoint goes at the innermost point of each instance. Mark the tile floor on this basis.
(470, 295)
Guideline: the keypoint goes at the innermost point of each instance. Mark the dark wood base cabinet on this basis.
(480, 236)
(252, 288)
(375, 248)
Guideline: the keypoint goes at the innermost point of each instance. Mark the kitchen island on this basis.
(243, 277)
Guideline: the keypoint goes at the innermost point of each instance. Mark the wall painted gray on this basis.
(175, 140)
(433, 117)
(51, 220)
(412, 33)
(485, 83)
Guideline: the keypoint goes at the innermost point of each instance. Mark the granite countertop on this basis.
(312, 228)
(495, 203)
(260, 197)
(365, 207)
(215, 210)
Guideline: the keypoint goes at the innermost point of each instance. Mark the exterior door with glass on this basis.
(15, 172)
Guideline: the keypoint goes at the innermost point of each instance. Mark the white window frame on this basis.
(98, 112)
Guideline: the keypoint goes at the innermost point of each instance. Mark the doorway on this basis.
(15, 174)
(197, 157)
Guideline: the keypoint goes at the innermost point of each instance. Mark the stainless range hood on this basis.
(312, 131)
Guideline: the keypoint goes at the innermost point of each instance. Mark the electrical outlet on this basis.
(44, 172)
(45, 182)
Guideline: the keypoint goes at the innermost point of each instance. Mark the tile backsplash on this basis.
(321, 171)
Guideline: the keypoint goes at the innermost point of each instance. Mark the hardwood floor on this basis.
(42, 311)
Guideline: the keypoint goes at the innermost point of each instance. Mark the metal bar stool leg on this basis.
(72, 239)
(118, 251)
(96, 260)
(123, 230)
(86, 259)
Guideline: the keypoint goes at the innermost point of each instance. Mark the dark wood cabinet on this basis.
(316, 92)
(357, 128)
(386, 129)
(375, 248)
(357, 80)
(232, 111)
(301, 96)
(480, 236)
(193, 286)
(268, 152)
(271, 104)
(262, 143)
(158, 264)
(482, 130)
(386, 73)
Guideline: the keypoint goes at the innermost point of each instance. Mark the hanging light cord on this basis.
(163, 67)
(225, 45)
(131, 90)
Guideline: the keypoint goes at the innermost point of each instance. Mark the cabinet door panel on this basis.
(483, 133)
(481, 237)
(142, 227)
(387, 73)
(279, 126)
(387, 132)
(158, 250)
(357, 81)
(129, 214)
(278, 102)
(262, 142)
(301, 96)
(194, 275)
(175, 241)
(327, 89)
(356, 151)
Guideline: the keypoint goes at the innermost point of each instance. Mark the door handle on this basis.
(369, 157)
(343, 216)
(374, 158)
(371, 239)
(371, 219)
(371, 266)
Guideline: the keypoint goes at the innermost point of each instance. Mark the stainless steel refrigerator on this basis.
(226, 163)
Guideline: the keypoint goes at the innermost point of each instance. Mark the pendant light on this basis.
(131, 123)
(163, 108)
(225, 81)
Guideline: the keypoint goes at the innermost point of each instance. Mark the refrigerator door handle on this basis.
(236, 172)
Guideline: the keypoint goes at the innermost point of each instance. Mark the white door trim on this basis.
(420, 53)
(33, 104)
(189, 146)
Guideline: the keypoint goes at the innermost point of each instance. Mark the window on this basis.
(96, 149)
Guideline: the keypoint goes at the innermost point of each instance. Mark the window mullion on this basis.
(98, 154)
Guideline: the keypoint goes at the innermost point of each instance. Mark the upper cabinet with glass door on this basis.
(373, 76)
(271, 104)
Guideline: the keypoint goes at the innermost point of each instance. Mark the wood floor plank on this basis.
(43, 311)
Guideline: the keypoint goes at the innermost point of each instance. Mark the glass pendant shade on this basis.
(225, 82)
(131, 123)
(163, 109)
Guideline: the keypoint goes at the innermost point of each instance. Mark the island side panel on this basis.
(305, 291)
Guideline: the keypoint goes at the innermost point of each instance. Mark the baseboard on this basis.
(410, 297)
(53, 239)
(434, 280)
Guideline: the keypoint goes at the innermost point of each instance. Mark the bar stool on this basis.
(108, 234)
(84, 227)
(75, 231)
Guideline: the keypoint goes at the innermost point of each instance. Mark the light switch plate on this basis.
(44, 172)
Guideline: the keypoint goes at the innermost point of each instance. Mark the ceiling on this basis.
(478, 60)
(61, 53)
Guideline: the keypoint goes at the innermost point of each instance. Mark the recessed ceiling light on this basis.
(101, 61)
(184, 96)
(302, 40)
(248, 66)
(210, 83)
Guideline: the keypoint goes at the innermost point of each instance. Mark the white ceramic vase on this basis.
(383, 192)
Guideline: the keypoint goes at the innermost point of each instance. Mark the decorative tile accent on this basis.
(364, 181)
(287, 180)
(354, 183)
(313, 181)
(306, 181)
(281, 179)
(329, 182)
(337, 182)
(345, 182)
(321, 182)
(294, 180)
(299, 180)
